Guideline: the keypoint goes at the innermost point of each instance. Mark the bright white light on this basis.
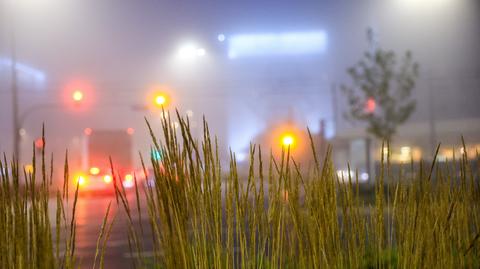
(290, 43)
(364, 176)
(240, 157)
(189, 113)
(22, 132)
(221, 37)
(191, 51)
(187, 51)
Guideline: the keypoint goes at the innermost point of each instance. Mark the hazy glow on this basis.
(107, 178)
(28, 168)
(371, 105)
(130, 131)
(94, 170)
(39, 143)
(87, 131)
(128, 182)
(405, 150)
(288, 140)
(290, 43)
(22, 132)
(77, 96)
(191, 51)
(201, 52)
(221, 37)
(81, 180)
(160, 100)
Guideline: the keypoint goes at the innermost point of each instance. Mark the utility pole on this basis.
(369, 165)
(14, 82)
(431, 115)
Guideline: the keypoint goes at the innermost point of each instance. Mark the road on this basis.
(90, 212)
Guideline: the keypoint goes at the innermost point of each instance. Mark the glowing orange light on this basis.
(77, 96)
(160, 99)
(130, 131)
(81, 180)
(94, 170)
(29, 168)
(285, 195)
(87, 131)
(288, 140)
(107, 178)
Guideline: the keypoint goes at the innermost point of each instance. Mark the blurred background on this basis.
(255, 69)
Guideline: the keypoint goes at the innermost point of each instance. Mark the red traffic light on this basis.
(79, 95)
(39, 143)
(370, 105)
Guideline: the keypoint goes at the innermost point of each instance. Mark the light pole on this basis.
(14, 86)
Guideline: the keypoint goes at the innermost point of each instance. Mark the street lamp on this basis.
(191, 51)
(14, 86)
(288, 140)
(160, 99)
(77, 96)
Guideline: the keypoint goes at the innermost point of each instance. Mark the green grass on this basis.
(28, 237)
(202, 215)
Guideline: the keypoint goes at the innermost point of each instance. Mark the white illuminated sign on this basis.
(24, 69)
(288, 43)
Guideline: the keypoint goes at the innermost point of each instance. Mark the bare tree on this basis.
(380, 94)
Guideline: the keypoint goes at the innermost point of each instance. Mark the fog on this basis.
(120, 50)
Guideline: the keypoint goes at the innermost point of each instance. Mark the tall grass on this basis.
(277, 216)
(27, 237)
(274, 215)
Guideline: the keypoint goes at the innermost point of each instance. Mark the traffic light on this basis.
(78, 95)
(39, 143)
(370, 105)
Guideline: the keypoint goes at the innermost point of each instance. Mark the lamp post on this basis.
(14, 86)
